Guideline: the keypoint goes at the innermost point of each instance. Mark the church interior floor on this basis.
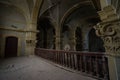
(34, 68)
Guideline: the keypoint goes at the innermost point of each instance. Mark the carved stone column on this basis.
(109, 31)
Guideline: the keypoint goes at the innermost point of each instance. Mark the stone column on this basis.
(31, 38)
(72, 40)
(57, 39)
(109, 31)
(85, 43)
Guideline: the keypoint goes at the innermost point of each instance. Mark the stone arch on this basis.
(30, 5)
(35, 11)
(72, 9)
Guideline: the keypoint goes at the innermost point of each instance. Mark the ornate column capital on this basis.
(109, 30)
(110, 33)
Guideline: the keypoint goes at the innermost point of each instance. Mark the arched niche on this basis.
(95, 43)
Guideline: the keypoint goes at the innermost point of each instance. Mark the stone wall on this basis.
(4, 33)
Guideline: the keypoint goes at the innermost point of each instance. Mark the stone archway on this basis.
(77, 16)
(71, 10)
(35, 11)
(11, 47)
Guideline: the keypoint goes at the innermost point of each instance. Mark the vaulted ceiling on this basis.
(65, 5)
(58, 10)
(16, 12)
(22, 5)
(67, 11)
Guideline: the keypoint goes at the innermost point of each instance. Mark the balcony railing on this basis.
(93, 64)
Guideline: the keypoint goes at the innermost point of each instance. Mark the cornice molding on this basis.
(18, 30)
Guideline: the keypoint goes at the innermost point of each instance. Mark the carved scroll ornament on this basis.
(110, 33)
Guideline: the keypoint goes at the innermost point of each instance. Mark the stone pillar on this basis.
(109, 31)
(57, 39)
(72, 40)
(103, 3)
(85, 43)
(31, 39)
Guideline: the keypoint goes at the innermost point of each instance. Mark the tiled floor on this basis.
(34, 68)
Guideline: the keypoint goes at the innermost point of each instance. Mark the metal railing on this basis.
(93, 64)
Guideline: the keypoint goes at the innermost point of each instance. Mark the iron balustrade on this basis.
(94, 64)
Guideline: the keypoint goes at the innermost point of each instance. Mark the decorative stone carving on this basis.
(30, 42)
(108, 14)
(67, 47)
(110, 33)
(109, 30)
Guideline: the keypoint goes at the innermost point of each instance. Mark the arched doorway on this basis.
(11, 47)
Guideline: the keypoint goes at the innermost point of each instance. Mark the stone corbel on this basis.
(31, 42)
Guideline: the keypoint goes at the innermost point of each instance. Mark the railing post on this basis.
(105, 68)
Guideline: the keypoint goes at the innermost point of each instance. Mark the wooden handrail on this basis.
(94, 64)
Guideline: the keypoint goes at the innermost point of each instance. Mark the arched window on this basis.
(95, 42)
